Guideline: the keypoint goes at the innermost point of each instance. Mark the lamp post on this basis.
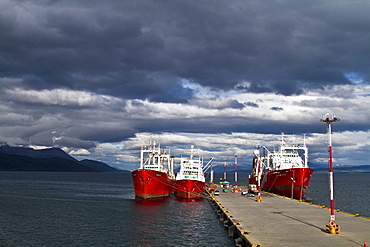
(258, 172)
(332, 227)
(236, 169)
(225, 160)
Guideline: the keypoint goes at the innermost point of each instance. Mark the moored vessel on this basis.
(190, 180)
(155, 176)
(284, 171)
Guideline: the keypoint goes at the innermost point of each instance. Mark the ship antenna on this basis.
(282, 147)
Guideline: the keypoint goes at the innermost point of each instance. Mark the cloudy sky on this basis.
(99, 78)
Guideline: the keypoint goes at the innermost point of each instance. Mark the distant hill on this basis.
(98, 165)
(318, 168)
(363, 168)
(32, 153)
(10, 162)
(51, 159)
(230, 168)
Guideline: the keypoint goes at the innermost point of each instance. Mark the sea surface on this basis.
(99, 209)
(351, 192)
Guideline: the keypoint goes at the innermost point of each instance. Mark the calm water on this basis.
(99, 209)
(351, 192)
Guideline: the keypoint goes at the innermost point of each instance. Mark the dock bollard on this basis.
(332, 228)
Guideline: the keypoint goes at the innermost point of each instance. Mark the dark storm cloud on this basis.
(174, 94)
(140, 49)
(251, 104)
(275, 108)
(86, 74)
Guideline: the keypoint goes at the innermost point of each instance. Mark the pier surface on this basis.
(281, 221)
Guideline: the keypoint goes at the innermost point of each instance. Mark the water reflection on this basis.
(184, 200)
(175, 221)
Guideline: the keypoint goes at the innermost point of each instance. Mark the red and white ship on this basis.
(284, 172)
(190, 180)
(155, 176)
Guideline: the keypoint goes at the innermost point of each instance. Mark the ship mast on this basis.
(305, 151)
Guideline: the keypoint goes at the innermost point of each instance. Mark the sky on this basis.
(100, 78)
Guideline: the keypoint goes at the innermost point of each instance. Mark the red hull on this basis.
(151, 184)
(289, 182)
(189, 189)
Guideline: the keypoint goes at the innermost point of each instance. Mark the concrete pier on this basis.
(281, 221)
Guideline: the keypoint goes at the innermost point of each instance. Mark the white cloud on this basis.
(224, 146)
(105, 120)
(79, 152)
(62, 97)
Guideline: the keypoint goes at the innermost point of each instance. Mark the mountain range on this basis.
(50, 159)
(55, 159)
